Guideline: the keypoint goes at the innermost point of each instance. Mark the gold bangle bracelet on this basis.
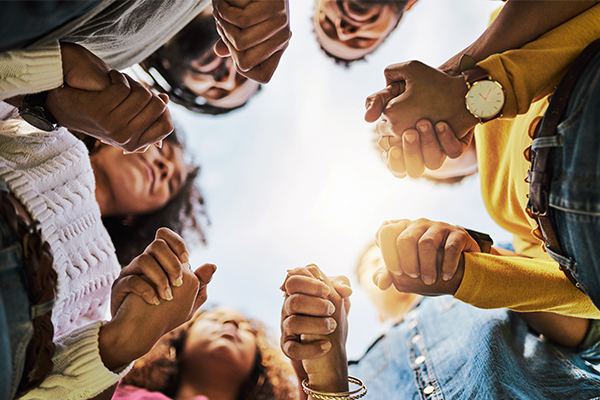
(350, 395)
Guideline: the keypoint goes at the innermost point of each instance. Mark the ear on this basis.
(409, 4)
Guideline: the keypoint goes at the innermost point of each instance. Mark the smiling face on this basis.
(139, 183)
(224, 337)
(217, 80)
(351, 29)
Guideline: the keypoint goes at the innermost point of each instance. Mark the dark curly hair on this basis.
(272, 377)
(184, 214)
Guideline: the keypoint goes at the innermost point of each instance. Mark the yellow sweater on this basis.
(528, 76)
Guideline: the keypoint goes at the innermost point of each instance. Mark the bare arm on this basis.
(518, 23)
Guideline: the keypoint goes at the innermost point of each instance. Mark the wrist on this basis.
(117, 348)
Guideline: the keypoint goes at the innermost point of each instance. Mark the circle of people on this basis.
(97, 194)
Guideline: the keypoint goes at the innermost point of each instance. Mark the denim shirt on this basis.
(445, 349)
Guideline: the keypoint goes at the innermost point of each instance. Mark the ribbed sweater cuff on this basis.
(78, 369)
(30, 70)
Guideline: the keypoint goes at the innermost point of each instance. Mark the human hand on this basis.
(151, 274)
(255, 33)
(314, 326)
(424, 147)
(106, 104)
(425, 249)
(414, 92)
(137, 326)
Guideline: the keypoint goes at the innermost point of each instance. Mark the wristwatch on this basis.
(485, 97)
(33, 110)
(484, 240)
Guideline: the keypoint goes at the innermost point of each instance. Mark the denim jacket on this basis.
(445, 349)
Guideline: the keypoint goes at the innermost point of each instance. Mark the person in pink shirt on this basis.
(218, 354)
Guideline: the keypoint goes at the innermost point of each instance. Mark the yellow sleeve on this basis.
(531, 72)
(521, 284)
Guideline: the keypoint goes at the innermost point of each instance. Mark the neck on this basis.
(209, 385)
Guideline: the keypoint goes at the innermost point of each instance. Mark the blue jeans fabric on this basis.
(575, 188)
(22, 22)
(16, 327)
(446, 349)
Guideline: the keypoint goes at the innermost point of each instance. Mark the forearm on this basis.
(518, 23)
(561, 329)
(521, 284)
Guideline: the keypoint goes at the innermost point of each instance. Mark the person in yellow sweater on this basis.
(527, 75)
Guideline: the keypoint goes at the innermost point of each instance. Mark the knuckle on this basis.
(426, 243)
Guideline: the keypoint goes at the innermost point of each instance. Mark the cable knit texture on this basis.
(31, 71)
(51, 174)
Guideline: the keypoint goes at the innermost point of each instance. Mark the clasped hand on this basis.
(255, 33)
(314, 325)
(422, 256)
(415, 95)
(107, 104)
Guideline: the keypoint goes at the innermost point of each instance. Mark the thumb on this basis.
(221, 49)
(341, 284)
(376, 103)
(205, 273)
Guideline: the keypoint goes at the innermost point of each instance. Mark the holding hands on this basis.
(415, 95)
(255, 33)
(162, 271)
(314, 327)
(422, 256)
(107, 104)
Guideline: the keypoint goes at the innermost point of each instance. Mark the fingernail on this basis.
(178, 282)
(410, 137)
(159, 144)
(184, 257)
(330, 309)
(395, 152)
(146, 149)
(384, 156)
(369, 104)
(168, 294)
(414, 276)
(325, 346)
(428, 280)
(331, 324)
(446, 277)
(440, 127)
(156, 301)
(422, 128)
(126, 152)
(376, 279)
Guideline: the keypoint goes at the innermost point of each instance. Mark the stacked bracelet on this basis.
(351, 395)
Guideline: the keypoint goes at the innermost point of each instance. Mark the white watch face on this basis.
(485, 99)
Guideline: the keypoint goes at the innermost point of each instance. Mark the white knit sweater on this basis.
(51, 174)
(121, 33)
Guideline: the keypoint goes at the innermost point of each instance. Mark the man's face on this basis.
(351, 29)
(217, 80)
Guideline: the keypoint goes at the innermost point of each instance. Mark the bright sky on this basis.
(293, 178)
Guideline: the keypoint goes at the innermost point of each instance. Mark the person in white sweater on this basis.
(68, 191)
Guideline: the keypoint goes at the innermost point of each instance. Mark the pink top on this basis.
(128, 392)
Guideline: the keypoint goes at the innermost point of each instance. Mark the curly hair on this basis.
(183, 214)
(272, 377)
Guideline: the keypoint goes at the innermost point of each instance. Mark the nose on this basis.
(345, 30)
(233, 322)
(225, 75)
(165, 168)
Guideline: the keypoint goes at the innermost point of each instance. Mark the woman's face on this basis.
(133, 184)
(222, 336)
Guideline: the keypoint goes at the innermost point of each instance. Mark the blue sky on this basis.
(293, 178)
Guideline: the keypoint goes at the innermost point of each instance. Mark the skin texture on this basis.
(106, 104)
(226, 343)
(254, 33)
(349, 32)
(132, 184)
(314, 327)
